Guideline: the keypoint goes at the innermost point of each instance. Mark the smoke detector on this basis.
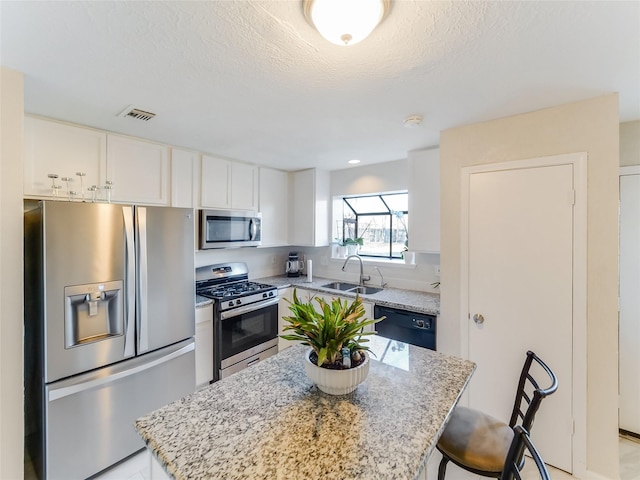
(413, 121)
(136, 113)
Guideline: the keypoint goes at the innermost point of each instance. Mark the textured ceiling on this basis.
(252, 81)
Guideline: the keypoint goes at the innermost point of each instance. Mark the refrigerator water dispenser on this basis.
(93, 312)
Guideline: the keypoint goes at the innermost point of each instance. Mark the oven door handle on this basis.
(248, 308)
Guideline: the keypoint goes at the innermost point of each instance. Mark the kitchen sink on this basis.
(364, 290)
(352, 287)
(340, 286)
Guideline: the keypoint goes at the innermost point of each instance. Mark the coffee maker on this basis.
(294, 265)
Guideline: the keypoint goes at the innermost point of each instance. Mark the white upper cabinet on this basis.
(139, 170)
(309, 208)
(424, 200)
(184, 178)
(215, 179)
(274, 201)
(244, 186)
(229, 185)
(57, 148)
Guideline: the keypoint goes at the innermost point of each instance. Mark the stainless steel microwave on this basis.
(230, 228)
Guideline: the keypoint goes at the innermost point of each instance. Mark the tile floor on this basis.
(136, 467)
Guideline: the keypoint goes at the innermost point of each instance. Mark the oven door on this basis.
(245, 331)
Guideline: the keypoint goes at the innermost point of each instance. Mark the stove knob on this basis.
(231, 303)
(264, 295)
(238, 302)
(271, 294)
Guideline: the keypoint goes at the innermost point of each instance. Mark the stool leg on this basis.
(442, 468)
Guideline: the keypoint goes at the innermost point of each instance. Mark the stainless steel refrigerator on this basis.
(109, 326)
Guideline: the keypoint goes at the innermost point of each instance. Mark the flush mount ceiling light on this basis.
(345, 22)
(413, 121)
(354, 161)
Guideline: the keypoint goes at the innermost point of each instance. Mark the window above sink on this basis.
(373, 226)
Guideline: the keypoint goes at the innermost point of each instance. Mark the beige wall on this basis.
(630, 143)
(589, 126)
(11, 310)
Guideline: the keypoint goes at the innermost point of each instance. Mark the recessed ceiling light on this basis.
(353, 162)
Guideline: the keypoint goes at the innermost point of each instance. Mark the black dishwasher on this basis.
(409, 327)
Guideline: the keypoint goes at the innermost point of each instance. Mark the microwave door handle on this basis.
(130, 283)
(253, 229)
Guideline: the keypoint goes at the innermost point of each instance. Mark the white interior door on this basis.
(520, 279)
(630, 301)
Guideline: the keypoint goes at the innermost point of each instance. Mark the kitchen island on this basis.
(270, 422)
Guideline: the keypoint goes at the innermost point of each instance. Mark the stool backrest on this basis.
(530, 394)
(521, 443)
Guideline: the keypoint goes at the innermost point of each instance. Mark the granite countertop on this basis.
(202, 301)
(419, 302)
(270, 422)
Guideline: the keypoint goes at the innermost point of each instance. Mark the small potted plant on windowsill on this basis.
(353, 244)
(337, 360)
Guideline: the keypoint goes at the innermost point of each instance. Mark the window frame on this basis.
(389, 213)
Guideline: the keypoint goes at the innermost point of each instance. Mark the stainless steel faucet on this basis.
(363, 277)
(382, 284)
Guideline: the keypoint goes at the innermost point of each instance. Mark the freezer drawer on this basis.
(90, 418)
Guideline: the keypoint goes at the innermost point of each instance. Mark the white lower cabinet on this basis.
(204, 345)
(156, 472)
(286, 295)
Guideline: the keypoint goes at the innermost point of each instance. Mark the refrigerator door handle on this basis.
(99, 380)
(143, 291)
(130, 282)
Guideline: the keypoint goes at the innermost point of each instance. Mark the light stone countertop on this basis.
(270, 422)
(419, 302)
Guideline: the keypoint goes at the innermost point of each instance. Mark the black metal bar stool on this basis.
(480, 443)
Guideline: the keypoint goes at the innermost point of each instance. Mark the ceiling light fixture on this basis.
(413, 121)
(354, 161)
(345, 22)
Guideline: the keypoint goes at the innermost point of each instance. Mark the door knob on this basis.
(478, 318)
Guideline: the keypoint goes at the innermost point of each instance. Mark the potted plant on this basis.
(338, 360)
(352, 245)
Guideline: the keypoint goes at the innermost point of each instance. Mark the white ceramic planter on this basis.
(352, 249)
(336, 382)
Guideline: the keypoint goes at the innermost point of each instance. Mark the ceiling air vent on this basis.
(136, 113)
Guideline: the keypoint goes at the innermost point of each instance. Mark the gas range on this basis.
(229, 286)
(245, 316)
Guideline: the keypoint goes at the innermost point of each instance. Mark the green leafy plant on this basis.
(354, 241)
(329, 329)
